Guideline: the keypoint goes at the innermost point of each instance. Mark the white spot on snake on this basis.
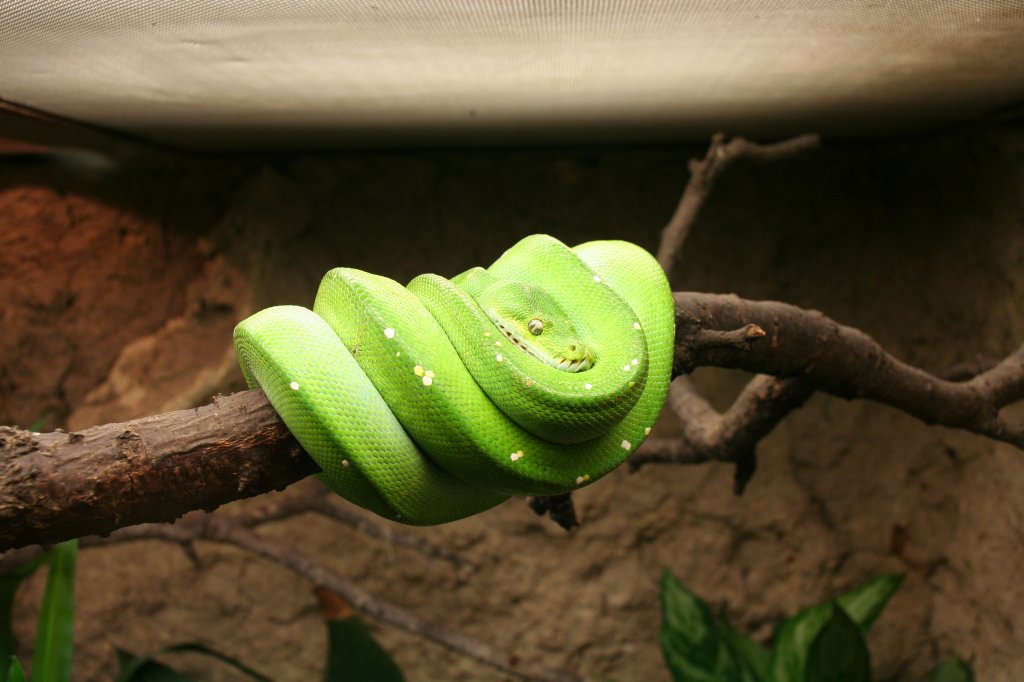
(499, 358)
(398, 354)
(636, 325)
(497, 343)
(487, 333)
(625, 368)
(430, 373)
(294, 385)
(344, 463)
(427, 380)
(647, 431)
(634, 361)
(516, 455)
(580, 480)
(418, 370)
(389, 332)
(626, 445)
(588, 386)
(596, 278)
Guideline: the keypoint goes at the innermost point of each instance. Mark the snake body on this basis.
(438, 400)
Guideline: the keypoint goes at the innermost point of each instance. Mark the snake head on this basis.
(532, 320)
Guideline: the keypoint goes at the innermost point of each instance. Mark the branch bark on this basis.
(58, 486)
(847, 363)
(731, 436)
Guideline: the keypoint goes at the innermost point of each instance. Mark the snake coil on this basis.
(438, 400)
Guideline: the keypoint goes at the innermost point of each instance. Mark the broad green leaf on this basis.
(838, 653)
(131, 665)
(953, 670)
(14, 672)
(54, 633)
(690, 641)
(353, 655)
(145, 669)
(755, 656)
(8, 586)
(793, 640)
(864, 604)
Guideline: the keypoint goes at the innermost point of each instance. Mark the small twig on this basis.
(389, 532)
(731, 436)
(322, 502)
(221, 529)
(705, 172)
(735, 338)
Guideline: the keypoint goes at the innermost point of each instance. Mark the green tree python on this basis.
(441, 399)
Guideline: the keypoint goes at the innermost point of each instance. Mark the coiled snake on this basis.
(438, 400)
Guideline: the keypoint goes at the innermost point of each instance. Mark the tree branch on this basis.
(847, 363)
(731, 436)
(705, 434)
(703, 174)
(59, 486)
(225, 530)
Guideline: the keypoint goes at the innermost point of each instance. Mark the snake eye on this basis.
(535, 326)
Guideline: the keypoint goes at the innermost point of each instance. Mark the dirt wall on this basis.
(121, 288)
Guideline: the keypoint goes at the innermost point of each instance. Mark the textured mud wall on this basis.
(120, 290)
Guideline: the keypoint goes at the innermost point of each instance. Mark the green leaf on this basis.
(690, 641)
(55, 631)
(755, 656)
(353, 655)
(864, 604)
(953, 670)
(15, 673)
(793, 639)
(140, 669)
(838, 653)
(8, 587)
(131, 666)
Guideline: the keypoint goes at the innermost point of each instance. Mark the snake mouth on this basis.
(565, 365)
(558, 362)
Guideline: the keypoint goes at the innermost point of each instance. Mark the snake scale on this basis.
(441, 399)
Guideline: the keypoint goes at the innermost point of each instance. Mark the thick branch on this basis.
(847, 363)
(59, 486)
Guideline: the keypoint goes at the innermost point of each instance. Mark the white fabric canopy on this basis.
(215, 73)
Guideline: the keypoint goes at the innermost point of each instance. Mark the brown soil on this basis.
(121, 288)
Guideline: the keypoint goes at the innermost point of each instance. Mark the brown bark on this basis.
(846, 363)
(59, 486)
